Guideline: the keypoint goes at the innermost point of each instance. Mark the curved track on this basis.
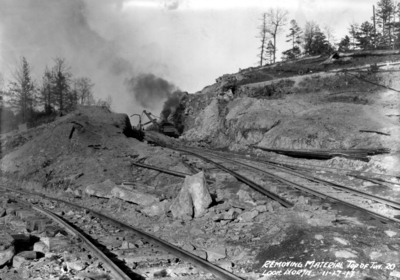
(176, 251)
(327, 190)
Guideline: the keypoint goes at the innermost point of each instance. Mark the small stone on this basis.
(56, 244)
(156, 228)
(261, 208)
(157, 208)
(76, 265)
(22, 257)
(248, 216)
(40, 246)
(375, 255)
(7, 248)
(188, 247)
(128, 194)
(101, 189)
(395, 273)
(227, 265)
(318, 237)
(196, 231)
(344, 254)
(160, 274)
(216, 253)
(341, 240)
(244, 195)
(390, 233)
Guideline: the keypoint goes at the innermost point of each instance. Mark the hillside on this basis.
(309, 105)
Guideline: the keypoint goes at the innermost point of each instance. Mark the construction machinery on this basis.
(163, 127)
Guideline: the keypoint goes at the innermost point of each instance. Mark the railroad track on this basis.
(120, 250)
(380, 208)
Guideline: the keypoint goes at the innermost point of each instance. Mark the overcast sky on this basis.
(189, 43)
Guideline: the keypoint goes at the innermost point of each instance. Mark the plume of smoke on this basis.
(149, 90)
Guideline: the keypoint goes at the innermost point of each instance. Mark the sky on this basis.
(184, 43)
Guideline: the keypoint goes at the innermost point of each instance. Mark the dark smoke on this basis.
(150, 90)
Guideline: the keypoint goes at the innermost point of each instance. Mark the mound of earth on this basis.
(90, 145)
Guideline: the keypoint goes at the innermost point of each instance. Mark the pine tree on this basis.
(385, 12)
(344, 44)
(294, 37)
(295, 34)
(22, 94)
(365, 36)
(353, 31)
(46, 92)
(61, 85)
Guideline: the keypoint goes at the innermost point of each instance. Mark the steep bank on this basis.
(324, 110)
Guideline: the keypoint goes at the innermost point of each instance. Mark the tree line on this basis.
(382, 32)
(24, 100)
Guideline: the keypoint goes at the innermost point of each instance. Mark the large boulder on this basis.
(193, 199)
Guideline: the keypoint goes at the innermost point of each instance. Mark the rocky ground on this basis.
(87, 156)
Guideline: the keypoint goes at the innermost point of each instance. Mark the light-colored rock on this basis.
(182, 206)
(101, 190)
(22, 257)
(128, 194)
(193, 195)
(390, 233)
(244, 195)
(261, 208)
(318, 237)
(375, 255)
(344, 254)
(341, 240)
(56, 244)
(227, 265)
(157, 208)
(76, 265)
(395, 273)
(40, 246)
(201, 197)
(6, 253)
(216, 253)
(248, 216)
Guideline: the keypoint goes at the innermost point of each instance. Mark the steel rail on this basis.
(307, 166)
(241, 178)
(323, 181)
(115, 271)
(184, 255)
(336, 185)
(167, 171)
(308, 190)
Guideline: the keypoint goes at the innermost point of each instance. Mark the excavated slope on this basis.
(315, 111)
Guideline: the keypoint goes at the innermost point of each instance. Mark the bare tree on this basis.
(329, 34)
(276, 19)
(61, 83)
(83, 90)
(262, 35)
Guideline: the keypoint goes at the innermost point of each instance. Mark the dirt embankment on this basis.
(323, 110)
(90, 145)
